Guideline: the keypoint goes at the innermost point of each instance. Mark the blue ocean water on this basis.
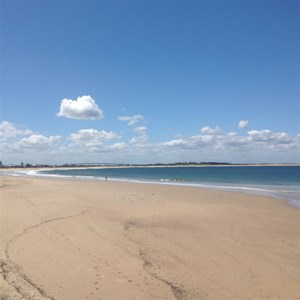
(277, 181)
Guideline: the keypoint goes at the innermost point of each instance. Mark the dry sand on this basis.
(71, 239)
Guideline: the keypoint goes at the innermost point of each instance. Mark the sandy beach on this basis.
(80, 239)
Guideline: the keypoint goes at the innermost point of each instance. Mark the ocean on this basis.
(277, 181)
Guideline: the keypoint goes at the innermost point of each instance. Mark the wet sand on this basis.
(78, 239)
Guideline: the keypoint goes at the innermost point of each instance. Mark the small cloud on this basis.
(231, 134)
(8, 130)
(38, 141)
(140, 129)
(211, 131)
(92, 136)
(176, 142)
(118, 146)
(243, 124)
(84, 108)
(141, 137)
(132, 120)
(269, 136)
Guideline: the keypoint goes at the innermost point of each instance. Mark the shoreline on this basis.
(288, 193)
(85, 239)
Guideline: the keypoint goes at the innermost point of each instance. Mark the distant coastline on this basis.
(154, 165)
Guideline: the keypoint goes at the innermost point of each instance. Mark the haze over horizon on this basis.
(149, 82)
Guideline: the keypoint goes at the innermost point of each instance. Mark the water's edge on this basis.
(289, 193)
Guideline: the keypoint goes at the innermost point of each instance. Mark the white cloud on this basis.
(92, 137)
(203, 138)
(243, 124)
(118, 146)
(255, 146)
(38, 141)
(12, 140)
(211, 131)
(84, 108)
(92, 140)
(176, 142)
(140, 129)
(141, 137)
(231, 134)
(211, 144)
(193, 142)
(269, 136)
(8, 130)
(132, 120)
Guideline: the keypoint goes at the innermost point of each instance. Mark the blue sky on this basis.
(149, 81)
